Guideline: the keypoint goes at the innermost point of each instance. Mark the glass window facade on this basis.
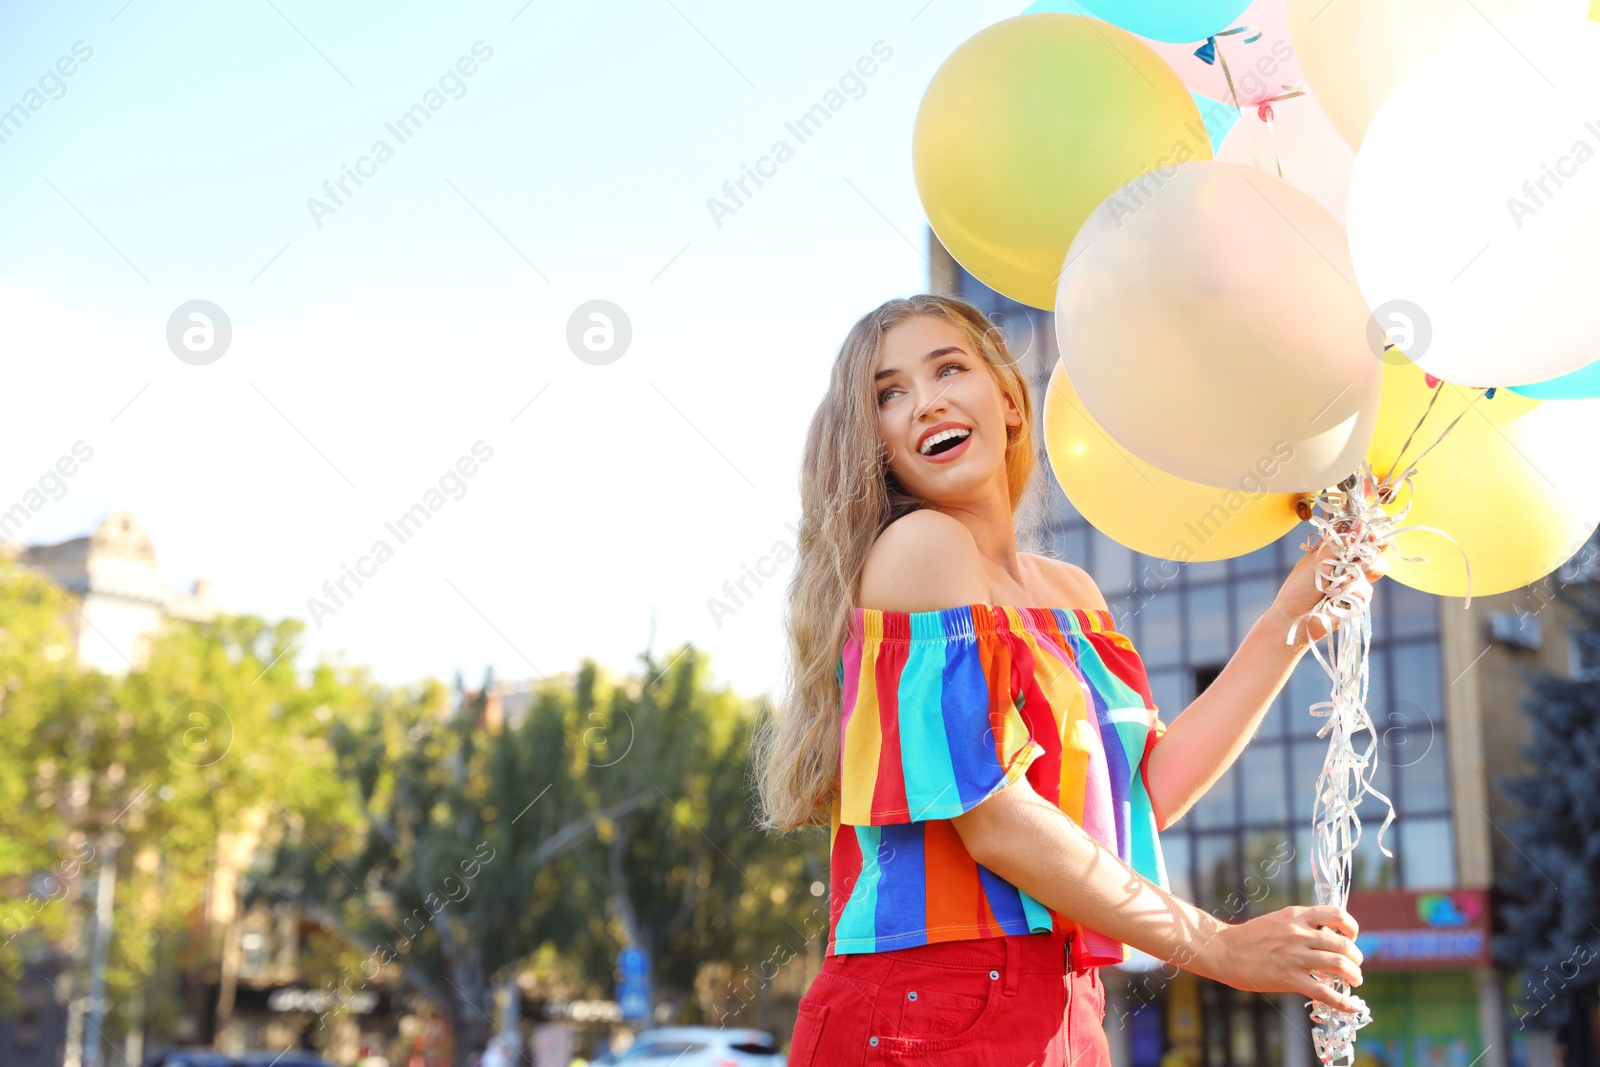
(1187, 627)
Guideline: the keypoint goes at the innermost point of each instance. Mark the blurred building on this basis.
(119, 598)
(1446, 696)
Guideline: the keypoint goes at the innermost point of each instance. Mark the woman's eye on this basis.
(883, 394)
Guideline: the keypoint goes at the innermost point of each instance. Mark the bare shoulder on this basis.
(1073, 585)
(924, 561)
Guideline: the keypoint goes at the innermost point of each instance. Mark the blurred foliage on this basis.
(685, 876)
(215, 737)
(1548, 888)
(441, 846)
(610, 812)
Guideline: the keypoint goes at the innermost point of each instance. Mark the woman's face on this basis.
(941, 413)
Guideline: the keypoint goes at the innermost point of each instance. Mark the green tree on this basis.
(612, 812)
(448, 877)
(40, 867)
(146, 772)
(1548, 898)
(687, 877)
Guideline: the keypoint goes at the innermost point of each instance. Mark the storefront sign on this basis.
(1402, 930)
(317, 1001)
(582, 1011)
(291, 999)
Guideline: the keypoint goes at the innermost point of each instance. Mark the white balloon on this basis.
(1475, 205)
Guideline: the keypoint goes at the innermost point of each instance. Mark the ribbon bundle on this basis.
(1354, 520)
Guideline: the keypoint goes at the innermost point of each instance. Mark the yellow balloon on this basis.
(1027, 127)
(1145, 508)
(1514, 483)
(1354, 52)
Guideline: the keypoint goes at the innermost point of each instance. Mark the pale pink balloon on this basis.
(1210, 321)
(1259, 70)
(1315, 157)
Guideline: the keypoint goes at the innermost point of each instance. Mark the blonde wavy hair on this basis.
(848, 496)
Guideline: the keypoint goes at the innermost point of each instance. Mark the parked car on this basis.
(210, 1057)
(186, 1057)
(702, 1046)
(277, 1059)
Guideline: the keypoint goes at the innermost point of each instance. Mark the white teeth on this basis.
(942, 435)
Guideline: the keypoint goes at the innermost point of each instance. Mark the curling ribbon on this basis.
(1265, 114)
(1356, 521)
(1208, 51)
(1356, 525)
(1210, 55)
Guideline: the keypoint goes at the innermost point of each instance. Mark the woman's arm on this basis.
(1036, 847)
(1201, 744)
(927, 560)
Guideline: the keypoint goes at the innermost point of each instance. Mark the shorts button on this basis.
(912, 995)
(872, 1041)
(994, 974)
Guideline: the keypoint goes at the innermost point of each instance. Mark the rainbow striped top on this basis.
(943, 708)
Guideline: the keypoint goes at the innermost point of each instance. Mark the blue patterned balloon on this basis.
(1159, 20)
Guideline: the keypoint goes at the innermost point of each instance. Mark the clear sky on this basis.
(164, 153)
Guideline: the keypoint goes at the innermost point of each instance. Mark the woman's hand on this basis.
(1300, 595)
(1277, 952)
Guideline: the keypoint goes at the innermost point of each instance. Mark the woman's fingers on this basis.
(1332, 917)
(1336, 964)
(1352, 584)
(1326, 994)
(1330, 941)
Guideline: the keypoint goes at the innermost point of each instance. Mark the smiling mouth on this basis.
(944, 441)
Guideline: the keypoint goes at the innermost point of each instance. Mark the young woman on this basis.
(981, 741)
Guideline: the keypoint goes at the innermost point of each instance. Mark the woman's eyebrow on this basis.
(935, 354)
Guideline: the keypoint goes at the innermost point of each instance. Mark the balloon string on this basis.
(1433, 398)
(1277, 160)
(1228, 75)
(1264, 110)
(1388, 491)
(1210, 53)
(1447, 429)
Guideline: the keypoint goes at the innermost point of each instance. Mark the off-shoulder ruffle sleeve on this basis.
(929, 725)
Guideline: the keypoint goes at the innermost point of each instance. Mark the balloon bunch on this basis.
(1397, 253)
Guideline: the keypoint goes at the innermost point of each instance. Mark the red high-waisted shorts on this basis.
(1012, 1001)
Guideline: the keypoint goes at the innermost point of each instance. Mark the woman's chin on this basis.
(954, 481)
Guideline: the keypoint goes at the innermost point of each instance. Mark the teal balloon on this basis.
(1581, 384)
(1159, 20)
(1219, 118)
